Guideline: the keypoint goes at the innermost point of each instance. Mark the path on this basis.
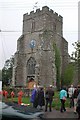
(57, 114)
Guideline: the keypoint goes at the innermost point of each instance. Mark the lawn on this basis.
(25, 100)
(55, 104)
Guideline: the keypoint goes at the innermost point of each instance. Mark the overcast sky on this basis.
(11, 22)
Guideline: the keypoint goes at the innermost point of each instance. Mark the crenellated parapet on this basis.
(39, 12)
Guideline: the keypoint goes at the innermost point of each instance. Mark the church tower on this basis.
(35, 56)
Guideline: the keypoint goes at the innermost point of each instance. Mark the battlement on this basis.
(39, 12)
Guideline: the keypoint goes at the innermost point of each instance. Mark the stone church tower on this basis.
(34, 59)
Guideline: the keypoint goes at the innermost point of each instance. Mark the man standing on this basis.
(49, 97)
(71, 92)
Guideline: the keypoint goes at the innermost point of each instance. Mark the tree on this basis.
(76, 57)
(76, 53)
(73, 67)
(68, 74)
(7, 71)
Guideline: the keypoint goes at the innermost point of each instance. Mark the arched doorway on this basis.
(31, 63)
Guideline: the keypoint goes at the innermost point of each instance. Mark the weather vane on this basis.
(35, 6)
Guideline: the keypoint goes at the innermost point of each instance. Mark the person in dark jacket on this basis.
(78, 89)
(49, 98)
(78, 105)
(41, 101)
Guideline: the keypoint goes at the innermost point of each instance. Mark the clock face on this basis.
(32, 44)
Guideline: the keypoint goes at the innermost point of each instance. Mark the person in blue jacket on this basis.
(63, 96)
(33, 96)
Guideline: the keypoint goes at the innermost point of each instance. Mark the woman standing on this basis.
(63, 96)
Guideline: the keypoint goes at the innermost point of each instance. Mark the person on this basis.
(49, 98)
(12, 95)
(78, 105)
(20, 94)
(75, 99)
(41, 101)
(34, 97)
(78, 89)
(5, 93)
(0, 95)
(71, 92)
(63, 96)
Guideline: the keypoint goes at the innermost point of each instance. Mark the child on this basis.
(20, 94)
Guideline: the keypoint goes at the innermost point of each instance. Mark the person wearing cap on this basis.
(49, 98)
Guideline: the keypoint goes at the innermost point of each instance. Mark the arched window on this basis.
(33, 26)
(31, 66)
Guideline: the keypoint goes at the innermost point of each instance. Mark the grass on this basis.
(25, 100)
(55, 104)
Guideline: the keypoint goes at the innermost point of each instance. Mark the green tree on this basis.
(68, 74)
(76, 57)
(76, 53)
(7, 71)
